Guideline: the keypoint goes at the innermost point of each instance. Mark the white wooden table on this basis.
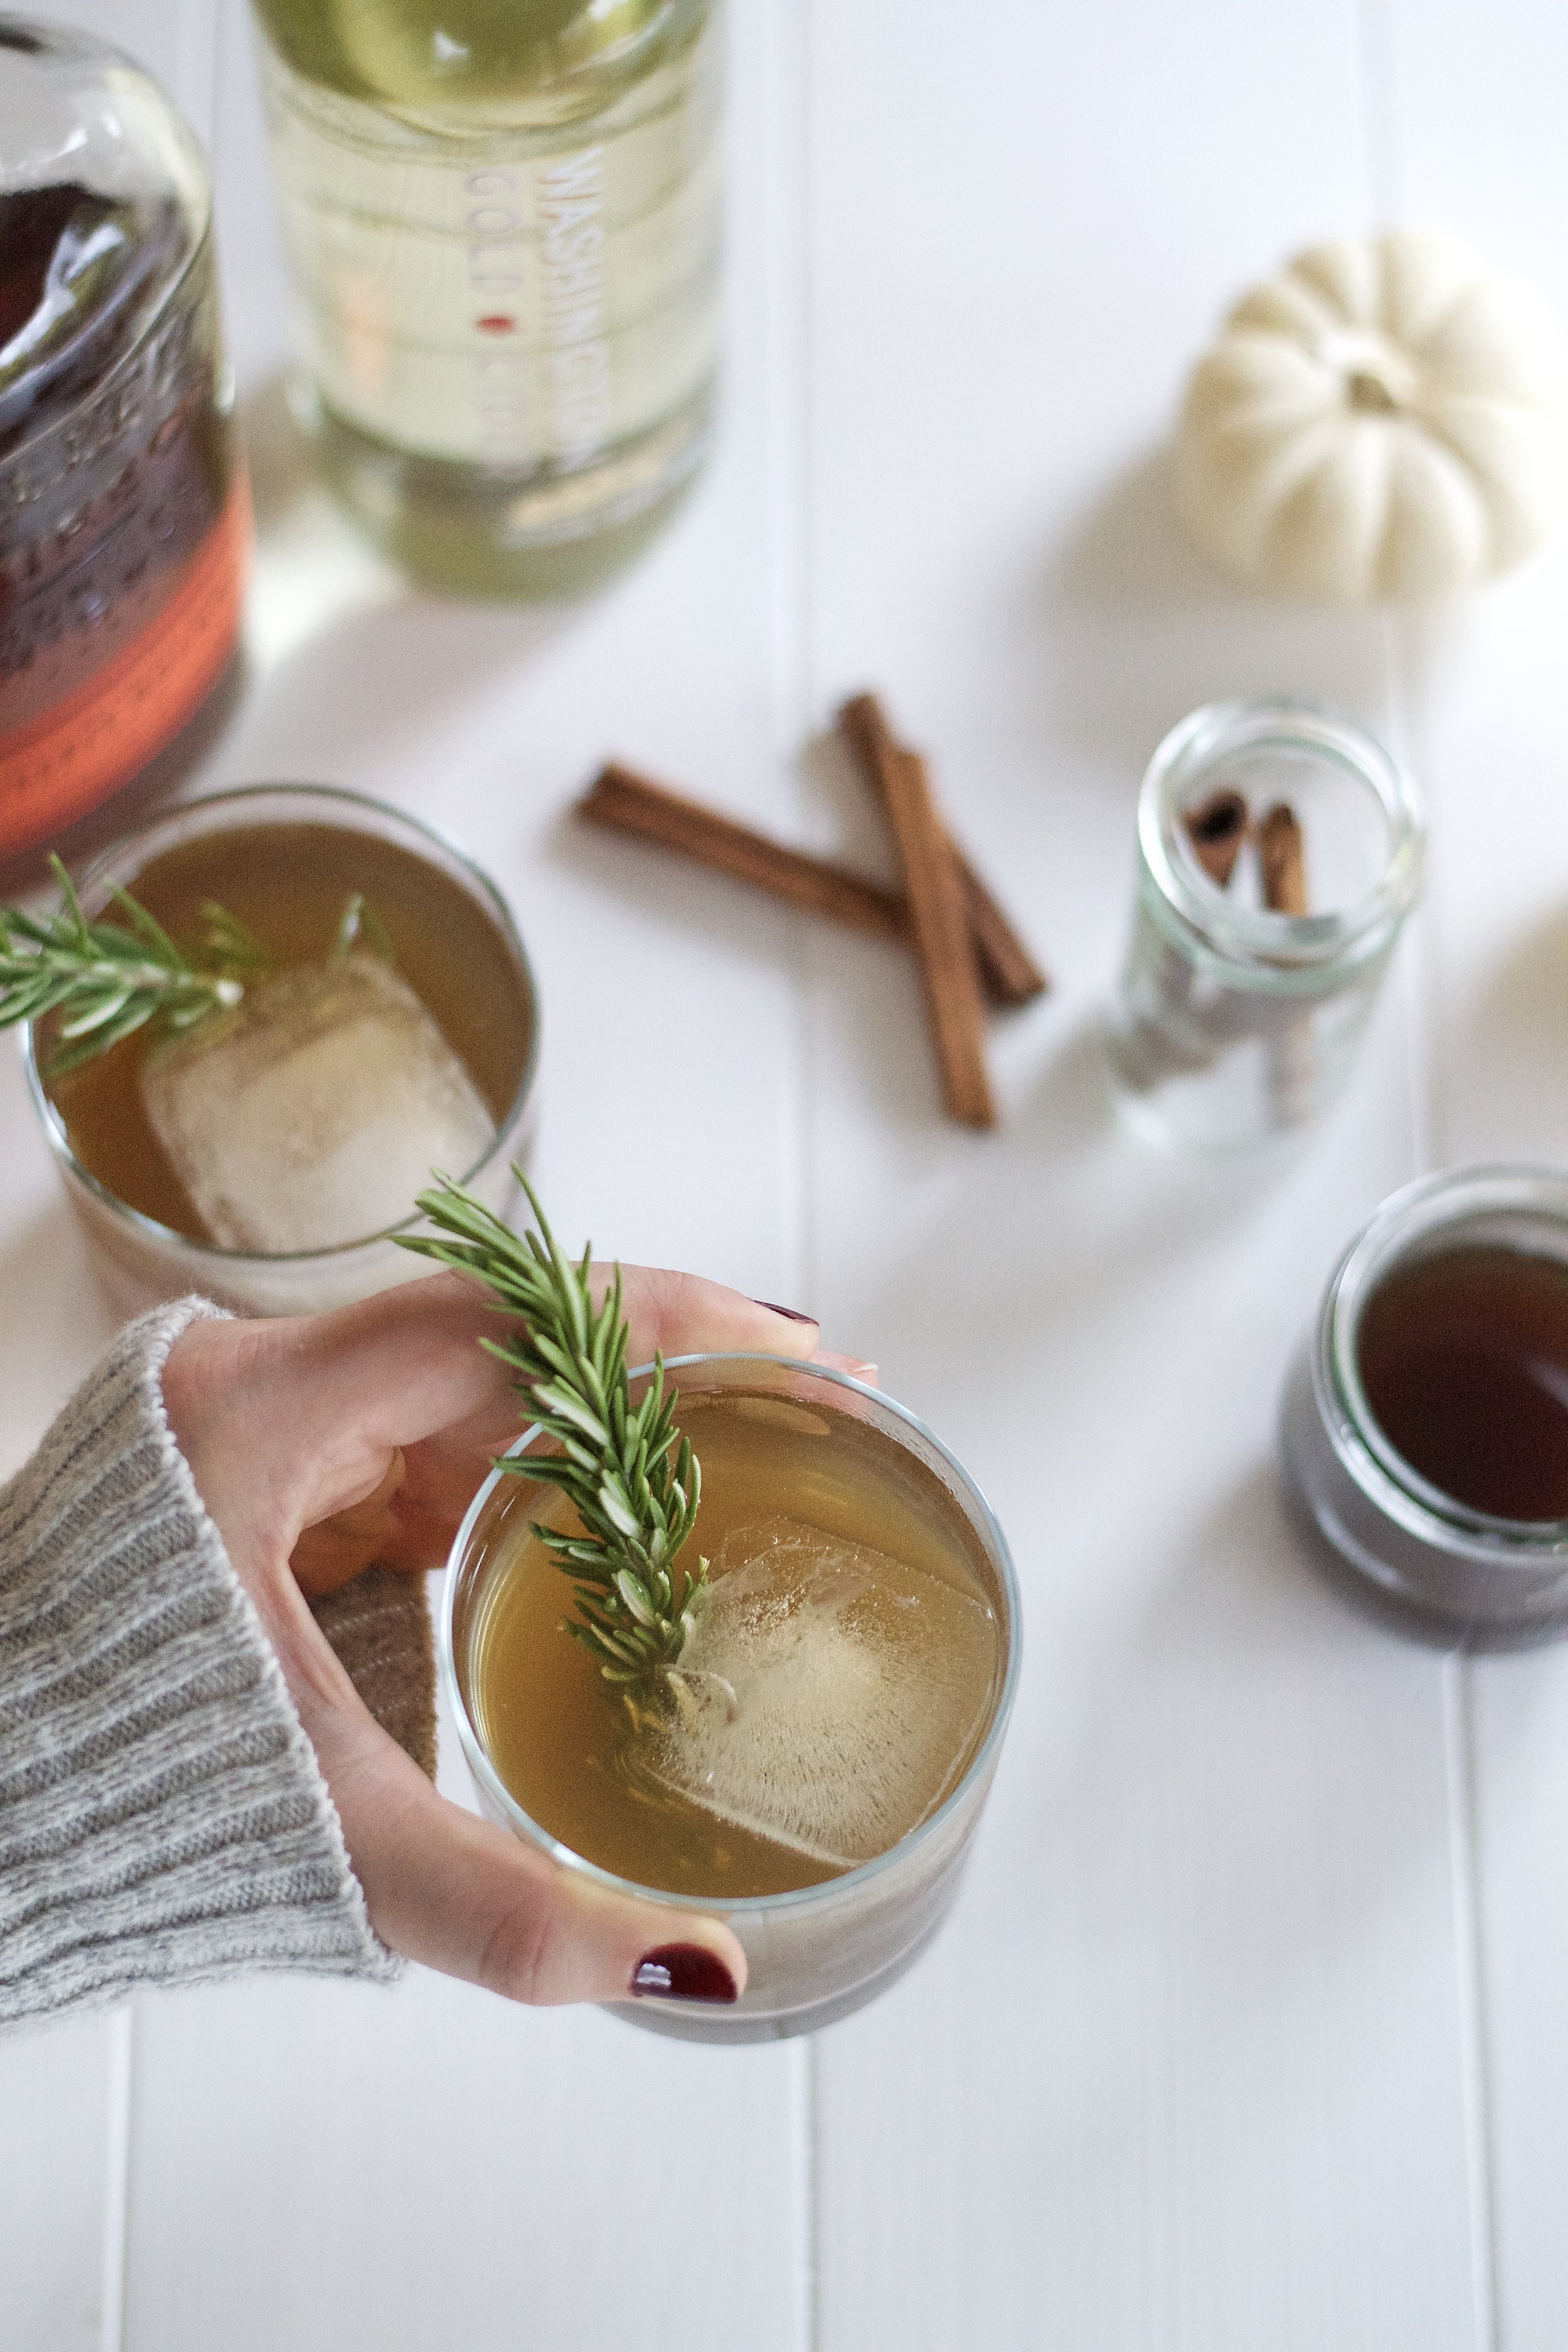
(1250, 2034)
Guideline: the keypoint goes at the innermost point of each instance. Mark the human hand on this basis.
(382, 1418)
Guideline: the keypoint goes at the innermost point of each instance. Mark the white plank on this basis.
(330, 2167)
(435, 2163)
(1192, 2066)
(1480, 146)
(61, 2129)
(1188, 2069)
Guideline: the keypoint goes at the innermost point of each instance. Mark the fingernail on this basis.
(684, 1973)
(792, 1313)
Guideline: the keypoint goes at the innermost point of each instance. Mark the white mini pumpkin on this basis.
(1385, 422)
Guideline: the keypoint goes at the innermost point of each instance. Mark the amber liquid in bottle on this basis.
(288, 884)
(916, 1657)
(1464, 1359)
(123, 522)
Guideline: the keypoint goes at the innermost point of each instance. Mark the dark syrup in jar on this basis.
(1463, 1357)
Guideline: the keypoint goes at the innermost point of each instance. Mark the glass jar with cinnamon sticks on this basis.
(1280, 850)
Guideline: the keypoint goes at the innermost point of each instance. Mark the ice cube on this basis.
(313, 1115)
(828, 1695)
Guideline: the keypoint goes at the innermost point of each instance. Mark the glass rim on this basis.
(1270, 944)
(69, 41)
(742, 1906)
(1440, 1204)
(206, 1252)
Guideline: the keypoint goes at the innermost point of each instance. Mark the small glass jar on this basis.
(1430, 1564)
(139, 1258)
(124, 521)
(1235, 1020)
(818, 1952)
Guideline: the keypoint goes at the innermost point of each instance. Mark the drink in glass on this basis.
(815, 1764)
(265, 1155)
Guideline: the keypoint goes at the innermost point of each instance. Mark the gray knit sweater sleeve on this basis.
(162, 1820)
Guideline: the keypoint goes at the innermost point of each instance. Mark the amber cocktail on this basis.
(265, 1155)
(816, 1766)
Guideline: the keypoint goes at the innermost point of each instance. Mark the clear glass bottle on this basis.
(502, 224)
(1409, 1553)
(123, 515)
(1237, 1019)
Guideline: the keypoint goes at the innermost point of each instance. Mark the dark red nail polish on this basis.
(792, 1313)
(683, 1973)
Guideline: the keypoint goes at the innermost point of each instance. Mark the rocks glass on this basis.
(817, 1950)
(287, 859)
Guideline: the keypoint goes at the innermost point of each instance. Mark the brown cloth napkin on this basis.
(380, 1628)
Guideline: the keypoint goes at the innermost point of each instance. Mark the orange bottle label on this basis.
(63, 763)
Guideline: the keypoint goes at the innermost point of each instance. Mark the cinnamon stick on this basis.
(1008, 971)
(621, 801)
(1281, 857)
(1216, 829)
(1293, 1058)
(949, 978)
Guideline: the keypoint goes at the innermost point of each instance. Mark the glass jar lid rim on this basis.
(1218, 732)
(1414, 1222)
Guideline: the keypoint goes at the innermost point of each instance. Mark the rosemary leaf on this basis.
(230, 945)
(109, 979)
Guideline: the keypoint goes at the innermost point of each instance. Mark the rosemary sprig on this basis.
(109, 977)
(114, 978)
(631, 1477)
